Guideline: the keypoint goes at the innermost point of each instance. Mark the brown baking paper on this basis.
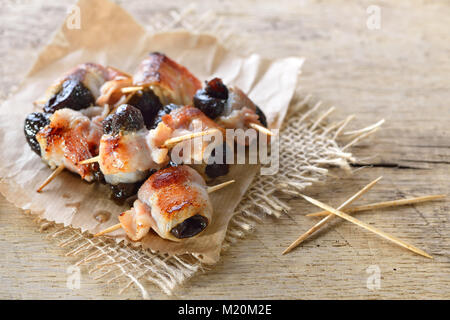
(110, 36)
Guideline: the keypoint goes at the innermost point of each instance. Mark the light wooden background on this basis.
(400, 72)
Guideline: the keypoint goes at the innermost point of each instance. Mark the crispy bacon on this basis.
(186, 120)
(170, 81)
(239, 111)
(92, 76)
(70, 137)
(110, 91)
(174, 202)
(129, 156)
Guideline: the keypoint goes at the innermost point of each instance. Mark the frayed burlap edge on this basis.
(308, 147)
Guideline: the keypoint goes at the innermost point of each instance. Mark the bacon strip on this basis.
(165, 202)
(170, 81)
(70, 137)
(129, 156)
(93, 76)
(239, 111)
(188, 119)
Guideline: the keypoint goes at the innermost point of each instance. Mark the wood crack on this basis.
(427, 161)
(390, 165)
(424, 146)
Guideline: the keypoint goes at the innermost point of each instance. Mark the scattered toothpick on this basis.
(384, 204)
(51, 177)
(367, 227)
(209, 190)
(322, 222)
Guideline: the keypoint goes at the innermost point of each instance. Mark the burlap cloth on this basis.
(307, 147)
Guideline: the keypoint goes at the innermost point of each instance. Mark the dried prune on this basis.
(97, 173)
(33, 123)
(190, 227)
(212, 99)
(149, 104)
(164, 111)
(73, 95)
(126, 118)
(216, 89)
(123, 191)
(214, 169)
(210, 106)
(262, 116)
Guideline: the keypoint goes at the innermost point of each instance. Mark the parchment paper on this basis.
(110, 36)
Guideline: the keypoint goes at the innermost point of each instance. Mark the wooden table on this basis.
(400, 72)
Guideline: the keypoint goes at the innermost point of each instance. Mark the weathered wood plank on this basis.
(400, 73)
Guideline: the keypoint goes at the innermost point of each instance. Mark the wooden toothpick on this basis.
(131, 89)
(91, 160)
(260, 128)
(167, 144)
(322, 222)
(219, 186)
(384, 204)
(170, 142)
(382, 234)
(51, 177)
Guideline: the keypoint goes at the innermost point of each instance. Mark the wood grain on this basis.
(399, 72)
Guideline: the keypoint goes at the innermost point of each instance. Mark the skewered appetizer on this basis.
(182, 120)
(230, 107)
(129, 152)
(115, 94)
(128, 125)
(77, 90)
(81, 87)
(158, 81)
(70, 137)
(69, 128)
(174, 202)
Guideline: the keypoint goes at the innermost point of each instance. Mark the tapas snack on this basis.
(174, 202)
(109, 127)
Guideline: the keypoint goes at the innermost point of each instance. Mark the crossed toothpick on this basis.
(331, 213)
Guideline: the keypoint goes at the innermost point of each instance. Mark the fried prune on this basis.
(123, 191)
(126, 118)
(190, 227)
(164, 111)
(97, 173)
(210, 106)
(148, 102)
(73, 95)
(262, 116)
(214, 169)
(212, 99)
(33, 123)
(216, 89)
